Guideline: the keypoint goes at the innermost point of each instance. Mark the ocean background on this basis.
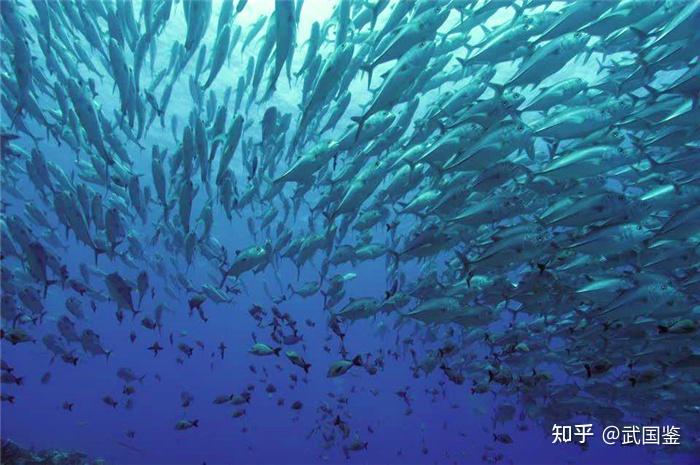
(454, 427)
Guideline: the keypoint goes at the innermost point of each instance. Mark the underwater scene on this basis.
(350, 232)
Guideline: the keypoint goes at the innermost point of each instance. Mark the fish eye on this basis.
(620, 150)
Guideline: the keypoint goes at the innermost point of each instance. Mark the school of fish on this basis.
(528, 190)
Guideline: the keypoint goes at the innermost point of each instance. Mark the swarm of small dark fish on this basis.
(529, 188)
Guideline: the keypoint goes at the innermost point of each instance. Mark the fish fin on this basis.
(642, 35)
(498, 88)
(369, 69)
(650, 159)
(655, 94)
(47, 283)
(360, 120)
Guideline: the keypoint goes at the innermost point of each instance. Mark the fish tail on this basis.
(47, 283)
(463, 61)
(498, 88)
(650, 159)
(655, 94)
(360, 120)
(641, 35)
(368, 68)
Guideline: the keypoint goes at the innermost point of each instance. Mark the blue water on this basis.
(455, 428)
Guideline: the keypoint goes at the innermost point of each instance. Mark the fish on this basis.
(298, 360)
(183, 425)
(341, 367)
(263, 350)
